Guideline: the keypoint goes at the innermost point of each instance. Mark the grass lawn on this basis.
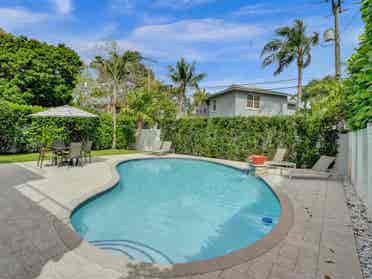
(17, 158)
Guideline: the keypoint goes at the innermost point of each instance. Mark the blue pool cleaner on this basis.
(267, 220)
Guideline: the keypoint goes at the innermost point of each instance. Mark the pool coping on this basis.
(107, 260)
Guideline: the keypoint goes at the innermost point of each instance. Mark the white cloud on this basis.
(179, 4)
(201, 30)
(201, 40)
(256, 9)
(18, 17)
(63, 7)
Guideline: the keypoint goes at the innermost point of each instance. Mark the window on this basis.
(253, 102)
(214, 105)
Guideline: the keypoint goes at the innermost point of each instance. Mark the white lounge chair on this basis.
(164, 148)
(278, 160)
(319, 171)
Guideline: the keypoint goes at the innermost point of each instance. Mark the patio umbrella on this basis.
(64, 111)
(61, 112)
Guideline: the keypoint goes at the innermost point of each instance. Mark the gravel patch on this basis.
(362, 229)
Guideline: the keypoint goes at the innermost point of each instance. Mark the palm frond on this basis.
(284, 31)
(268, 60)
(307, 60)
(315, 39)
(292, 44)
(271, 46)
(284, 58)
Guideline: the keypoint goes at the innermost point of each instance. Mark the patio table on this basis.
(58, 150)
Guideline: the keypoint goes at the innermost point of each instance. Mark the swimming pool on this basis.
(178, 211)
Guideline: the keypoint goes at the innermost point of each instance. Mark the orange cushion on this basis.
(257, 159)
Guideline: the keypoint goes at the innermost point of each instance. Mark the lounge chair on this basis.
(319, 171)
(164, 148)
(278, 160)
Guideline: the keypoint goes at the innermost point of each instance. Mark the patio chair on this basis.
(58, 147)
(58, 143)
(74, 153)
(42, 155)
(278, 160)
(319, 171)
(87, 150)
(165, 148)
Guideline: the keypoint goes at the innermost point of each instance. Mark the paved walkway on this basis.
(28, 240)
(35, 202)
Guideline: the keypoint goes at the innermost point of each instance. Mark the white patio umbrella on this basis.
(64, 111)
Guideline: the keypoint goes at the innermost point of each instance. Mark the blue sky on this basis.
(224, 37)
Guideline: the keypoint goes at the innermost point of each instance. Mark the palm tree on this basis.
(184, 76)
(293, 45)
(140, 108)
(148, 107)
(114, 73)
(199, 99)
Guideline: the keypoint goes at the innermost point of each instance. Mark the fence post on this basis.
(369, 167)
(342, 160)
(360, 169)
(353, 157)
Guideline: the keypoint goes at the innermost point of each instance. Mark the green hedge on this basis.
(21, 133)
(13, 121)
(234, 138)
(359, 83)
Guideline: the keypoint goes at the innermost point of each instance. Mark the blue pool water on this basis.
(176, 211)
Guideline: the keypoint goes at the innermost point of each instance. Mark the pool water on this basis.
(177, 211)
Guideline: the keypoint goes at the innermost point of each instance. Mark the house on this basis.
(239, 100)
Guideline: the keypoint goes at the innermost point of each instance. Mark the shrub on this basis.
(104, 132)
(359, 84)
(21, 133)
(234, 138)
(125, 131)
(13, 121)
(46, 129)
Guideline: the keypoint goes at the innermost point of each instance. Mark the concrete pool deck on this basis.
(36, 204)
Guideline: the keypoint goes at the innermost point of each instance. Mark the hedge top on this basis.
(64, 111)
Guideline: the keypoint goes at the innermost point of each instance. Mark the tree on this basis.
(359, 83)
(35, 73)
(184, 76)
(84, 89)
(199, 100)
(292, 45)
(147, 107)
(325, 98)
(114, 72)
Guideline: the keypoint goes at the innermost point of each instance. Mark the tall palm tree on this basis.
(292, 45)
(114, 72)
(199, 99)
(184, 76)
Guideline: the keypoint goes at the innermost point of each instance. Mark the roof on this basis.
(234, 88)
(63, 111)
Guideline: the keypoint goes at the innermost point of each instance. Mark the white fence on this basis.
(359, 167)
(148, 138)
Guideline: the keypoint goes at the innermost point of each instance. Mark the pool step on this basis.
(134, 250)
